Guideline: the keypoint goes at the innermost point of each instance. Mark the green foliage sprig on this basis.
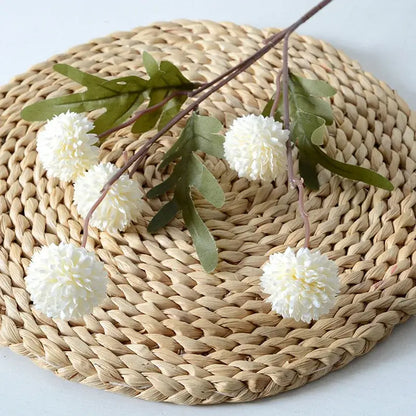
(309, 115)
(200, 133)
(159, 99)
(120, 97)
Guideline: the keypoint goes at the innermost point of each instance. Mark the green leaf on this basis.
(148, 120)
(278, 115)
(150, 64)
(203, 180)
(206, 136)
(268, 107)
(304, 95)
(170, 109)
(119, 97)
(305, 126)
(170, 76)
(161, 116)
(166, 75)
(202, 238)
(312, 87)
(353, 172)
(167, 184)
(307, 170)
(199, 134)
(78, 76)
(313, 105)
(309, 116)
(164, 216)
(317, 136)
(310, 155)
(164, 80)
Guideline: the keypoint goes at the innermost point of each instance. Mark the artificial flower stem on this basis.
(285, 79)
(190, 94)
(87, 219)
(293, 181)
(278, 37)
(231, 74)
(191, 107)
(302, 20)
(136, 165)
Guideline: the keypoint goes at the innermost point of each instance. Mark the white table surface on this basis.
(380, 34)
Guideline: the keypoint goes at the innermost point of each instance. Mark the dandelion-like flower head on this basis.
(65, 281)
(122, 204)
(255, 146)
(301, 285)
(65, 147)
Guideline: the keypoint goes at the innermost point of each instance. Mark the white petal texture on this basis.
(66, 281)
(65, 147)
(255, 146)
(301, 285)
(122, 204)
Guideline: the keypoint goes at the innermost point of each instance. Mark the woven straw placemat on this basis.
(168, 331)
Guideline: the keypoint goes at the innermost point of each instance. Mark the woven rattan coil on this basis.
(168, 331)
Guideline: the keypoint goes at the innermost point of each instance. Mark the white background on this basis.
(380, 34)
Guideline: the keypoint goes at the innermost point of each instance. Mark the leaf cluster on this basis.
(120, 97)
(199, 134)
(310, 113)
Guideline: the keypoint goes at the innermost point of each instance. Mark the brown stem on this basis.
(136, 165)
(194, 105)
(285, 70)
(214, 85)
(100, 199)
(292, 180)
(302, 20)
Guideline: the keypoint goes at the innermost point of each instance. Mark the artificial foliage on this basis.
(310, 113)
(200, 133)
(120, 97)
(155, 103)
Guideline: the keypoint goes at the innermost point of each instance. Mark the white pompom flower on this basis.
(122, 204)
(65, 281)
(65, 147)
(255, 146)
(302, 285)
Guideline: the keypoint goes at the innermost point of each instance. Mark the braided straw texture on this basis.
(168, 331)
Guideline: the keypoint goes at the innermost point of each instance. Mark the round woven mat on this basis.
(168, 331)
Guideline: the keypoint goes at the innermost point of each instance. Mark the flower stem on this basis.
(136, 165)
(87, 219)
(293, 181)
(210, 88)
